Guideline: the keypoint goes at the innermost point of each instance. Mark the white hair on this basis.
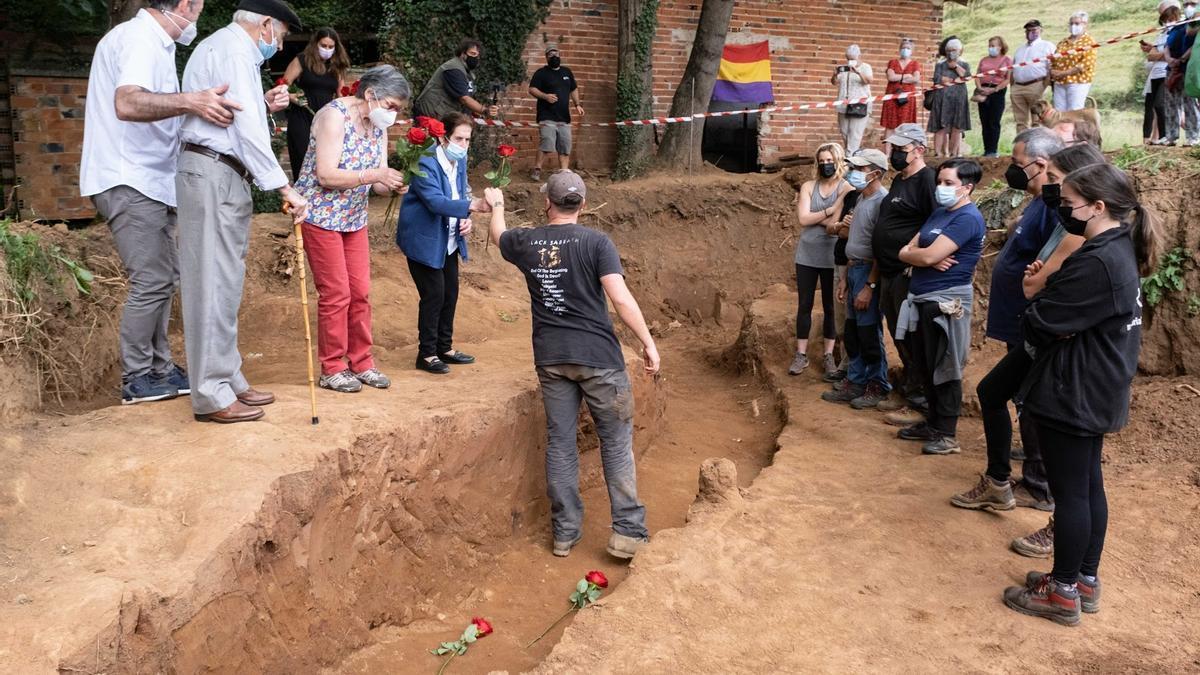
(955, 45)
(853, 51)
(1081, 15)
(252, 18)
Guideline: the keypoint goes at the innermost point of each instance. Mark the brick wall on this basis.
(808, 39)
(47, 112)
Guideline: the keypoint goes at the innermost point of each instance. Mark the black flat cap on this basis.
(1033, 23)
(276, 9)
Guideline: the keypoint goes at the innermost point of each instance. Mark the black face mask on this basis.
(899, 160)
(1070, 223)
(472, 62)
(827, 169)
(1016, 177)
(1052, 195)
(554, 61)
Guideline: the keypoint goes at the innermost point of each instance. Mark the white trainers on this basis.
(374, 378)
(344, 382)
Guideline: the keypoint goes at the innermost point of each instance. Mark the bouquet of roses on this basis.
(500, 175)
(478, 628)
(587, 591)
(293, 90)
(349, 89)
(410, 148)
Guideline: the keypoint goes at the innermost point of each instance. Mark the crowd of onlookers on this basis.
(1066, 69)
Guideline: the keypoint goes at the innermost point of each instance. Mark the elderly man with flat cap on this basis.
(213, 186)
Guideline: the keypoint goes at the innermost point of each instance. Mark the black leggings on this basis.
(806, 286)
(1155, 109)
(995, 390)
(1080, 507)
(928, 344)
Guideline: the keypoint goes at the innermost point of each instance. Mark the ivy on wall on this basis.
(633, 101)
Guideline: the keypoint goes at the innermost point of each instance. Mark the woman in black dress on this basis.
(319, 72)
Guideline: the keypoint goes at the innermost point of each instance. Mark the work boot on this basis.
(942, 445)
(1089, 591)
(621, 546)
(844, 395)
(343, 382)
(917, 432)
(987, 494)
(903, 417)
(1047, 599)
(871, 397)
(799, 364)
(562, 549)
(1040, 544)
(1026, 499)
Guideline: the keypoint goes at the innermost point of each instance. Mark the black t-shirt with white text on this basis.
(563, 265)
(904, 210)
(559, 82)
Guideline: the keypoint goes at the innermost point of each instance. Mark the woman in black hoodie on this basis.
(1084, 333)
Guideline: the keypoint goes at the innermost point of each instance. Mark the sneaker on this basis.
(903, 417)
(536, 174)
(1040, 544)
(1026, 499)
(942, 445)
(344, 382)
(917, 432)
(620, 546)
(562, 549)
(1047, 599)
(986, 495)
(830, 368)
(845, 394)
(799, 364)
(373, 378)
(872, 396)
(146, 388)
(176, 377)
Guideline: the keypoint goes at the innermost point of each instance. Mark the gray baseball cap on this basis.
(563, 183)
(551, 48)
(907, 134)
(868, 157)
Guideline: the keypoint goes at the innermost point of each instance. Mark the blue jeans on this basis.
(864, 331)
(609, 397)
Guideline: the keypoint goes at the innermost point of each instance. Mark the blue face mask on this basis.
(455, 152)
(857, 179)
(268, 50)
(946, 195)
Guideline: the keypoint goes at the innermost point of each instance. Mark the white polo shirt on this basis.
(141, 155)
(1040, 49)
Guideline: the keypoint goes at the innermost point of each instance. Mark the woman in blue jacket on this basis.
(435, 216)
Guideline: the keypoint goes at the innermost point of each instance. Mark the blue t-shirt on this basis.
(1006, 299)
(1178, 41)
(964, 226)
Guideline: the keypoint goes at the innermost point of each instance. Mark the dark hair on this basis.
(1074, 157)
(1169, 15)
(1106, 183)
(467, 44)
(1003, 44)
(967, 170)
(340, 62)
(455, 120)
(570, 203)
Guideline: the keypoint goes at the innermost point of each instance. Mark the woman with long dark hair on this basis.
(319, 71)
(1084, 333)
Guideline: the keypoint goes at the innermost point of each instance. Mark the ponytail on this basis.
(1147, 239)
(1108, 184)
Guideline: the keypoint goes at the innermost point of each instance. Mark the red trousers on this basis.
(341, 270)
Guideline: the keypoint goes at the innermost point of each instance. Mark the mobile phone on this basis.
(843, 69)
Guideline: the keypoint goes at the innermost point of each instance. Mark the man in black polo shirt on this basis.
(909, 203)
(552, 85)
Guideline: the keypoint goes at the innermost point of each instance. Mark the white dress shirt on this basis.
(1040, 49)
(229, 56)
(141, 155)
(451, 169)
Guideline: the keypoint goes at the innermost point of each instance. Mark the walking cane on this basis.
(312, 387)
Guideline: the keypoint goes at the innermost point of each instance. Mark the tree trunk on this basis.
(682, 141)
(636, 24)
(120, 11)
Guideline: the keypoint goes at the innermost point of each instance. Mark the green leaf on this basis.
(593, 595)
(491, 175)
(582, 586)
(503, 182)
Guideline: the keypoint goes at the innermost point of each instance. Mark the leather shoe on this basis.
(254, 397)
(238, 412)
(457, 358)
(434, 365)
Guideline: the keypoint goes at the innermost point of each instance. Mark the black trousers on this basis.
(892, 293)
(439, 298)
(806, 285)
(299, 123)
(995, 390)
(1155, 109)
(928, 345)
(991, 112)
(1080, 506)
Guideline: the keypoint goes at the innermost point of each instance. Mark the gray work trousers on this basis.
(609, 397)
(143, 230)
(214, 229)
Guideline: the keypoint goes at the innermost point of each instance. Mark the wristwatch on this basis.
(871, 285)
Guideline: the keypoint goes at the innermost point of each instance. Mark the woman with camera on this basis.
(853, 80)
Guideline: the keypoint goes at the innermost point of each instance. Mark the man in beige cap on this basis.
(572, 272)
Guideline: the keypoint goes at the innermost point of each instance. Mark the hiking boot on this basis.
(345, 382)
(904, 417)
(892, 403)
(942, 445)
(373, 378)
(1047, 599)
(986, 494)
(146, 388)
(844, 395)
(917, 432)
(1040, 544)
(562, 549)
(831, 369)
(176, 377)
(799, 364)
(841, 384)
(1026, 499)
(872, 395)
(620, 546)
(1089, 591)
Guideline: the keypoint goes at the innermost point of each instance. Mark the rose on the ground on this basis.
(478, 628)
(597, 577)
(499, 176)
(587, 591)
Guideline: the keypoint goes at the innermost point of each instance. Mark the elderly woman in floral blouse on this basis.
(1072, 73)
(346, 160)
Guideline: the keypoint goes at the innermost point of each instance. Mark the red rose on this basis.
(509, 151)
(482, 627)
(423, 121)
(435, 128)
(417, 136)
(282, 80)
(344, 91)
(595, 576)
(354, 87)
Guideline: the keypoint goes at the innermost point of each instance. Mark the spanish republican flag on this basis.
(745, 74)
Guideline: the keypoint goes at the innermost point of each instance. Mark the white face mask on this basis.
(187, 33)
(1076, 29)
(325, 54)
(1189, 11)
(382, 118)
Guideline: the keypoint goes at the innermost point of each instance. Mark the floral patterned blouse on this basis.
(1086, 59)
(341, 210)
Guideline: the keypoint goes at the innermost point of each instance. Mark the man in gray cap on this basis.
(572, 271)
(213, 188)
(908, 205)
(552, 85)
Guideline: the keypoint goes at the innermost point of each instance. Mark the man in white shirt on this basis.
(1029, 82)
(130, 145)
(215, 205)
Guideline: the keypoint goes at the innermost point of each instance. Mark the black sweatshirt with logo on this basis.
(1085, 331)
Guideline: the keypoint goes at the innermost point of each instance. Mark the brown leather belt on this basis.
(1026, 84)
(224, 159)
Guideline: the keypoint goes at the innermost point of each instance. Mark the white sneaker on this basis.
(344, 382)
